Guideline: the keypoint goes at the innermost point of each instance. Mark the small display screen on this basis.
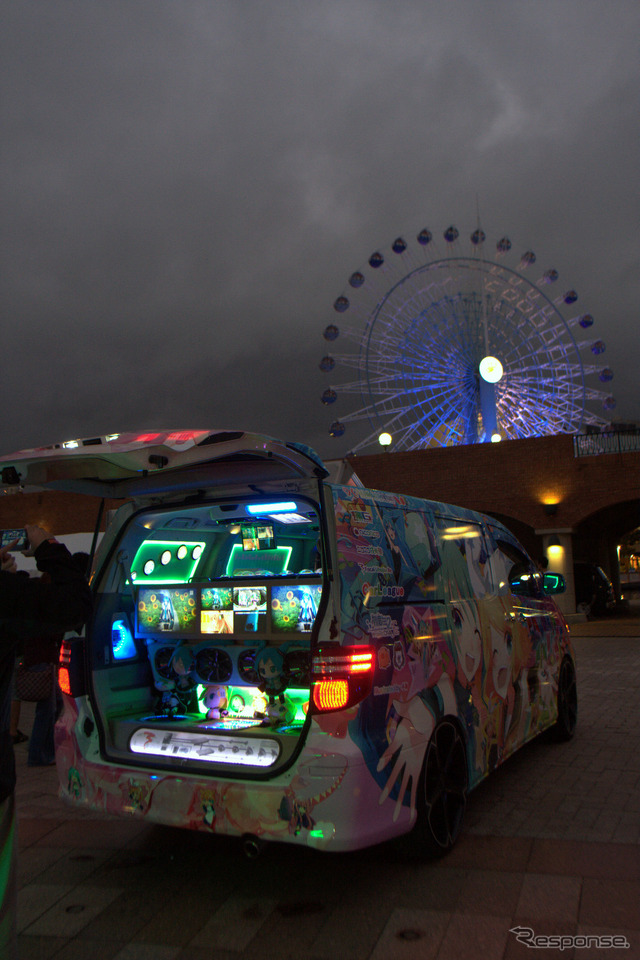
(250, 609)
(167, 611)
(216, 614)
(294, 608)
(241, 610)
(258, 536)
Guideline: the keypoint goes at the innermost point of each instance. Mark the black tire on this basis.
(443, 791)
(565, 725)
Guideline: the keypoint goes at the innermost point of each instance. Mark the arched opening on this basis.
(597, 537)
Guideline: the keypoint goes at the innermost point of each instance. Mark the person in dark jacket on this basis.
(28, 607)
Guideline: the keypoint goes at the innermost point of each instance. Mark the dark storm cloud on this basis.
(187, 187)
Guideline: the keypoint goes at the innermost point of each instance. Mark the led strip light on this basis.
(185, 745)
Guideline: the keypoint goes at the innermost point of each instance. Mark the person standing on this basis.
(28, 607)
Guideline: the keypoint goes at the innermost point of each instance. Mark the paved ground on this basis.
(551, 843)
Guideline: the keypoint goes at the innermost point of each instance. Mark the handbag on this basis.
(34, 684)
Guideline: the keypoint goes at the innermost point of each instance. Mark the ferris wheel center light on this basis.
(491, 369)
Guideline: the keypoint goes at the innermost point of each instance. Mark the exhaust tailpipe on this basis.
(252, 846)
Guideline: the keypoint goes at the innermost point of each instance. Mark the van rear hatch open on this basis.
(210, 596)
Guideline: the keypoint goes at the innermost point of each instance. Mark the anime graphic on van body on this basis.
(470, 657)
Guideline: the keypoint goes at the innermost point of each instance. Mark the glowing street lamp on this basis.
(385, 439)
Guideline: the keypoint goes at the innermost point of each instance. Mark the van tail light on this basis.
(341, 676)
(71, 671)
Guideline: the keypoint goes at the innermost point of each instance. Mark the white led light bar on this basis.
(260, 509)
(186, 745)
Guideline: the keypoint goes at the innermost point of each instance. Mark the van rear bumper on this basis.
(328, 800)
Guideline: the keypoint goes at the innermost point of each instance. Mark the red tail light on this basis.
(71, 674)
(342, 677)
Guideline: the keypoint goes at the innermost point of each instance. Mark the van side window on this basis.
(514, 572)
(386, 554)
(464, 553)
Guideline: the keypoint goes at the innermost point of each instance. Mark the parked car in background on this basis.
(594, 591)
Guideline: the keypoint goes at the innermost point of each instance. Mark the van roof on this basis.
(121, 465)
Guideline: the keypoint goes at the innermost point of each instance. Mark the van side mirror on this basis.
(554, 583)
(524, 582)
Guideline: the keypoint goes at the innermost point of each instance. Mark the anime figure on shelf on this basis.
(182, 664)
(177, 691)
(274, 678)
(215, 701)
(168, 703)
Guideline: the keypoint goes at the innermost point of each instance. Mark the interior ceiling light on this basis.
(286, 506)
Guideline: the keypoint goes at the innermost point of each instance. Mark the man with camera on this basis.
(27, 606)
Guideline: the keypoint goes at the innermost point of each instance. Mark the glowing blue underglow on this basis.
(266, 508)
(122, 642)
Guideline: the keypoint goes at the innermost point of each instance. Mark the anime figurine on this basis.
(182, 663)
(271, 669)
(177, 692)
(215, 700)
(169, 702)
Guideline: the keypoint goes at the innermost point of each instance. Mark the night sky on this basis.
(187, 187)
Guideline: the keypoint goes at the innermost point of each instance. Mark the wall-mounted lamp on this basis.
(554, 542)
(550, 509)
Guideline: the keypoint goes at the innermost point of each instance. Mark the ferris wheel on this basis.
(461, 342)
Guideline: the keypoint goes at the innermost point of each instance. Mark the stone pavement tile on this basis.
(610, 903)
(289, 929)
(35, 899)
(518, 949)
(193, 953)
(233, 925)
(628, 828)
(130, 867)
(34, 861)
(349, 932)
(147, 951)
(72, 912)
(481, 937)
(571, 858)
(74, 949)
(124, 916)
(39, 948)
(32, 829)
(490, 893)
(180, 918)
(489, 853)
(70, 867)
(411, 935)
(94, 834)
(632, 937)
(437, 889)
(547, 897)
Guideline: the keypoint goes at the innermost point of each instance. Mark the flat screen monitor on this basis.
(167, 611)
(258, 536)
(294, 608)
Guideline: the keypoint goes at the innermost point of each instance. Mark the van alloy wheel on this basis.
(444, 789)
(565, 726)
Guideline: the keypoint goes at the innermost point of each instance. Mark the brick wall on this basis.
(514, 478)
(60, 513)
